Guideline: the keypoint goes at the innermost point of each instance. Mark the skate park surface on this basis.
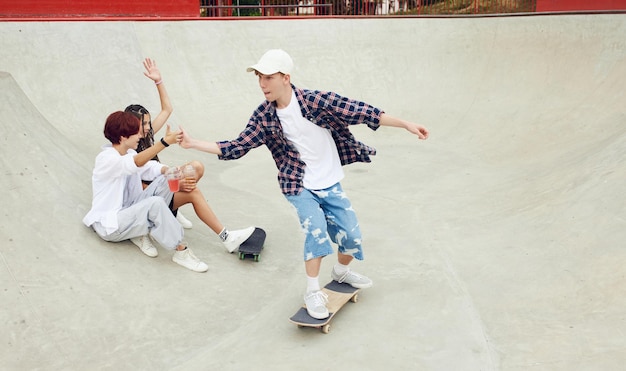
(497, 244)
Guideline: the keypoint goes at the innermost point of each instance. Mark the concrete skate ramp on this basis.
(498, 244)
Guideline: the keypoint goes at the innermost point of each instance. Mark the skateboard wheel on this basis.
(355, 298)
(326, 329)
(256, 258)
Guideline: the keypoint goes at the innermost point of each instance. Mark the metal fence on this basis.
(277, 8)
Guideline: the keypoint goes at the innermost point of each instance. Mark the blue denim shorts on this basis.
(326, 215)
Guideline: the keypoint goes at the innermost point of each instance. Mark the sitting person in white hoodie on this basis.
(122, 209)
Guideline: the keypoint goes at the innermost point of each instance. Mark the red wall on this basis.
(573, 5)
(99, 8)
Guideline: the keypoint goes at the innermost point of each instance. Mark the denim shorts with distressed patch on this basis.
(326, 215)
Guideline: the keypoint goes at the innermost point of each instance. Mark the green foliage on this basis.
(246, 12)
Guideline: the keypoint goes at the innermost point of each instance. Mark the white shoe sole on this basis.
(200, 268)
(317, 316)
(236, 246)
(153, 253)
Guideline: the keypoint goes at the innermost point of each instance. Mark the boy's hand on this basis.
(185, 141)
(418, 130)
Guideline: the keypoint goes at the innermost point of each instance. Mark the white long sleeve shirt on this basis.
(116, 182)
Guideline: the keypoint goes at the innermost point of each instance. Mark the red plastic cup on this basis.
(173, 178)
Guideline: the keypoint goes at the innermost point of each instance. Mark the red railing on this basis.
(234, 8)
(189, 9)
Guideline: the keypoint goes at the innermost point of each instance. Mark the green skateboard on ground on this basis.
(253, 245)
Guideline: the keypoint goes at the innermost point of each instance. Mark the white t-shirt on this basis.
(116, 181)
(315, 144)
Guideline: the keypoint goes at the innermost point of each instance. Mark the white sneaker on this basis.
(145, 245)
(315, 302)
(236, 238)
(353, 279)
(188, 259)
(183, 221)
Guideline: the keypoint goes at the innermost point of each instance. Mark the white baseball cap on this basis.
(273, 61)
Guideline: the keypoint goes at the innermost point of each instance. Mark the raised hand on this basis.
(152, 71)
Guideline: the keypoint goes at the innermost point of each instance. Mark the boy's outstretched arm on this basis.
(417, 129)
(200, 145)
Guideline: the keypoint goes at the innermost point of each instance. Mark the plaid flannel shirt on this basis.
(325, 109)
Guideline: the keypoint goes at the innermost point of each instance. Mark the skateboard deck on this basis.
(338, 295)
(253, 245)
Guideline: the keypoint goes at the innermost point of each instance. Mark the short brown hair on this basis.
(121, 124)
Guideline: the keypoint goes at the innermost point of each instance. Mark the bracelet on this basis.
(164, 142)
(158, 82)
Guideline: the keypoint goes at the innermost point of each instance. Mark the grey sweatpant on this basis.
(149, 213)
